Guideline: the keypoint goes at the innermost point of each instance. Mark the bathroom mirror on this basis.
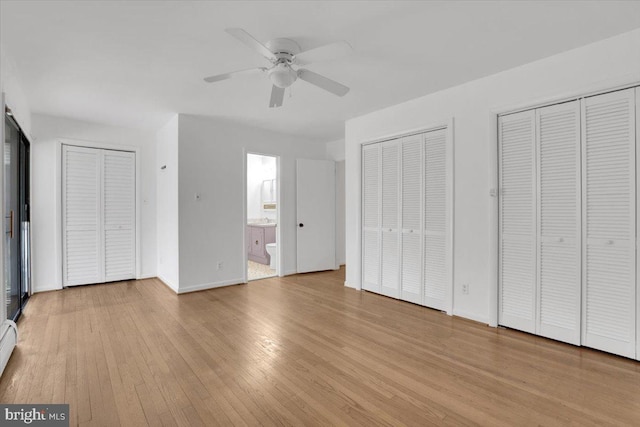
(268, 191)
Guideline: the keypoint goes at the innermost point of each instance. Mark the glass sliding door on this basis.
(25, 229)
(16, 218)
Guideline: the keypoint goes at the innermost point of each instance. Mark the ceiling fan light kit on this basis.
(283, 55)
(282, 75)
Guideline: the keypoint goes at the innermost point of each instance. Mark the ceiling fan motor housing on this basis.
(283, 49)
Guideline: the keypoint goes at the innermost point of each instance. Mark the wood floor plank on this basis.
(299, 350)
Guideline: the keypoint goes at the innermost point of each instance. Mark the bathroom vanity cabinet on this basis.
(258, 235)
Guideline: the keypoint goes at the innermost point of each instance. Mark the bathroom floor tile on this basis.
(259, 271)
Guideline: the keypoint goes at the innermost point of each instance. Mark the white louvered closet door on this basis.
(609, 203)
(119, 183)
(559, 207)
(411, 271)
(517, 211)
(98, 205)
(390, 266)
(436, 215)
(371, 217)
(81, 216)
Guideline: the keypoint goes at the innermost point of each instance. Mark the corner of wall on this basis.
(167, 203)
(174, 287)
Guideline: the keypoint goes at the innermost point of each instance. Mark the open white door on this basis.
(316, 218)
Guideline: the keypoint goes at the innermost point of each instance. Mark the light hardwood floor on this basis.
(300, 350)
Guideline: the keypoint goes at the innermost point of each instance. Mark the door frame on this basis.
(3, 305)
(626, 82)
(23, 296)
(637, 93)
(279, 207)
(58, 198)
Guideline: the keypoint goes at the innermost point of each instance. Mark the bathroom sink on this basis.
(262, 224)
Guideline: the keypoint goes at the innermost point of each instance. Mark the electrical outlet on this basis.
(220, 265)
(465, 288)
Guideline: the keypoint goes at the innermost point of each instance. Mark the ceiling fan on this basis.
(283, 54)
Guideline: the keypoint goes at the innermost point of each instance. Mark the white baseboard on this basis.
(204, 286)
(349, 285)
(47, 289)
(290, 272)
(471, 316)
(167, 283)
(57, 288)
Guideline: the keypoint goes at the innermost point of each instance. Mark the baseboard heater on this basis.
(8, 340)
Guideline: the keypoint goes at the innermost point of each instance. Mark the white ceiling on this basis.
(134, 64)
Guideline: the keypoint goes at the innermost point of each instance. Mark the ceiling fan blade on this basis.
(324, 53)
(323, 82)
(254, 44)
(232, 74)
(277, 95)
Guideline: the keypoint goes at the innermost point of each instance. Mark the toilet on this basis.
(272, 250)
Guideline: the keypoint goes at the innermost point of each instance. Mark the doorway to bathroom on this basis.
(261, 230)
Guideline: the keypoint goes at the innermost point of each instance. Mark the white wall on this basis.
(11, 86)
(336, 150)
(259, 168)
(167, 203)
(46, 192)
(211, 161)
(603, 64)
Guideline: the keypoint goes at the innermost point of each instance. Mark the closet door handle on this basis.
(11, 224)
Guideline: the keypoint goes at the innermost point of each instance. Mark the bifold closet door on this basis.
(82, 216)
(558, 241)
(517, 211)
(436, 221)
(411, 271)
(98, 205)
(371, 197)
(609, 222)
(390, 265)
(119, 183)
